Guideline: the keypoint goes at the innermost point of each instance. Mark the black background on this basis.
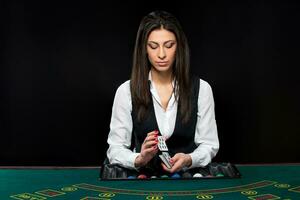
(61, 64)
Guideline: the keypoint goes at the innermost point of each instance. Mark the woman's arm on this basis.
(206, 134)
(119, 138)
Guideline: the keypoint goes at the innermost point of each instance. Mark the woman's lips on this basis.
(162, 64)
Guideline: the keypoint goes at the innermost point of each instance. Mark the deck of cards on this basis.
(164, 156)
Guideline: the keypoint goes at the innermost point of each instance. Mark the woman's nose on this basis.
(162, 54)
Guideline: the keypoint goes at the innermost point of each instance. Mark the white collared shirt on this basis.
(119, 138)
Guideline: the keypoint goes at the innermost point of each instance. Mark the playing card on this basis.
(162, 146)
(166, 155)
(165, 161)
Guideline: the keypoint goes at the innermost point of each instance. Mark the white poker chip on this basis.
(197, 175)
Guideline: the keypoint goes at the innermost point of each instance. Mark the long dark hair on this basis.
(141, 97)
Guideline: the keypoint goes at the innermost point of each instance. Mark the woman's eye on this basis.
(169, 45)
(152, 46)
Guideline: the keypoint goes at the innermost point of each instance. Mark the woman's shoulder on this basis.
(125, 85)
(124, 88)
(204, 85)
(205, 88)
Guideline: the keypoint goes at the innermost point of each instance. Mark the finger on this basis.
(176, 157)
(150, 150)
(151, 137)
(154, 150)
(165, 167)
(172, 170)
(155, 132)
(149, 144)
(176, 167)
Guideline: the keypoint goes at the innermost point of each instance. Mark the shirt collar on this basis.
(151, 81)
(155, 94)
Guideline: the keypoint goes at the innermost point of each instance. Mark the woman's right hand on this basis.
(148, 149)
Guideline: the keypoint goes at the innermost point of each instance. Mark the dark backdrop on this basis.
(61, 64)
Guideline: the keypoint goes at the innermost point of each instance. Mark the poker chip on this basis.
(175, 175)
(197, 175)
(142, 176)
(164, 176)
(186, 175)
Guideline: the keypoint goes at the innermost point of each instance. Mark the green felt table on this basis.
(262, 182)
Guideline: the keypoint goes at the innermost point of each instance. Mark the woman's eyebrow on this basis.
(164, 42)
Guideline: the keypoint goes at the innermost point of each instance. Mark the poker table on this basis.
(263, 182)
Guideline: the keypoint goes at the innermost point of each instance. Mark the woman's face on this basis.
(161, 49)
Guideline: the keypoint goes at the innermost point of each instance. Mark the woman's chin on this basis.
(162, 68)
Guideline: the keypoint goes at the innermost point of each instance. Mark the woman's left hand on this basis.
(178, 161)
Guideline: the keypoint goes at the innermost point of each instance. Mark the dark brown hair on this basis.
(141, 97)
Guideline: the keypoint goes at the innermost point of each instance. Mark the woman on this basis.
(161, 98)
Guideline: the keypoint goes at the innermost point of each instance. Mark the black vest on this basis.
(182, 139)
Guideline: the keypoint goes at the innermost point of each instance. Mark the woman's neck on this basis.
(161, 78)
